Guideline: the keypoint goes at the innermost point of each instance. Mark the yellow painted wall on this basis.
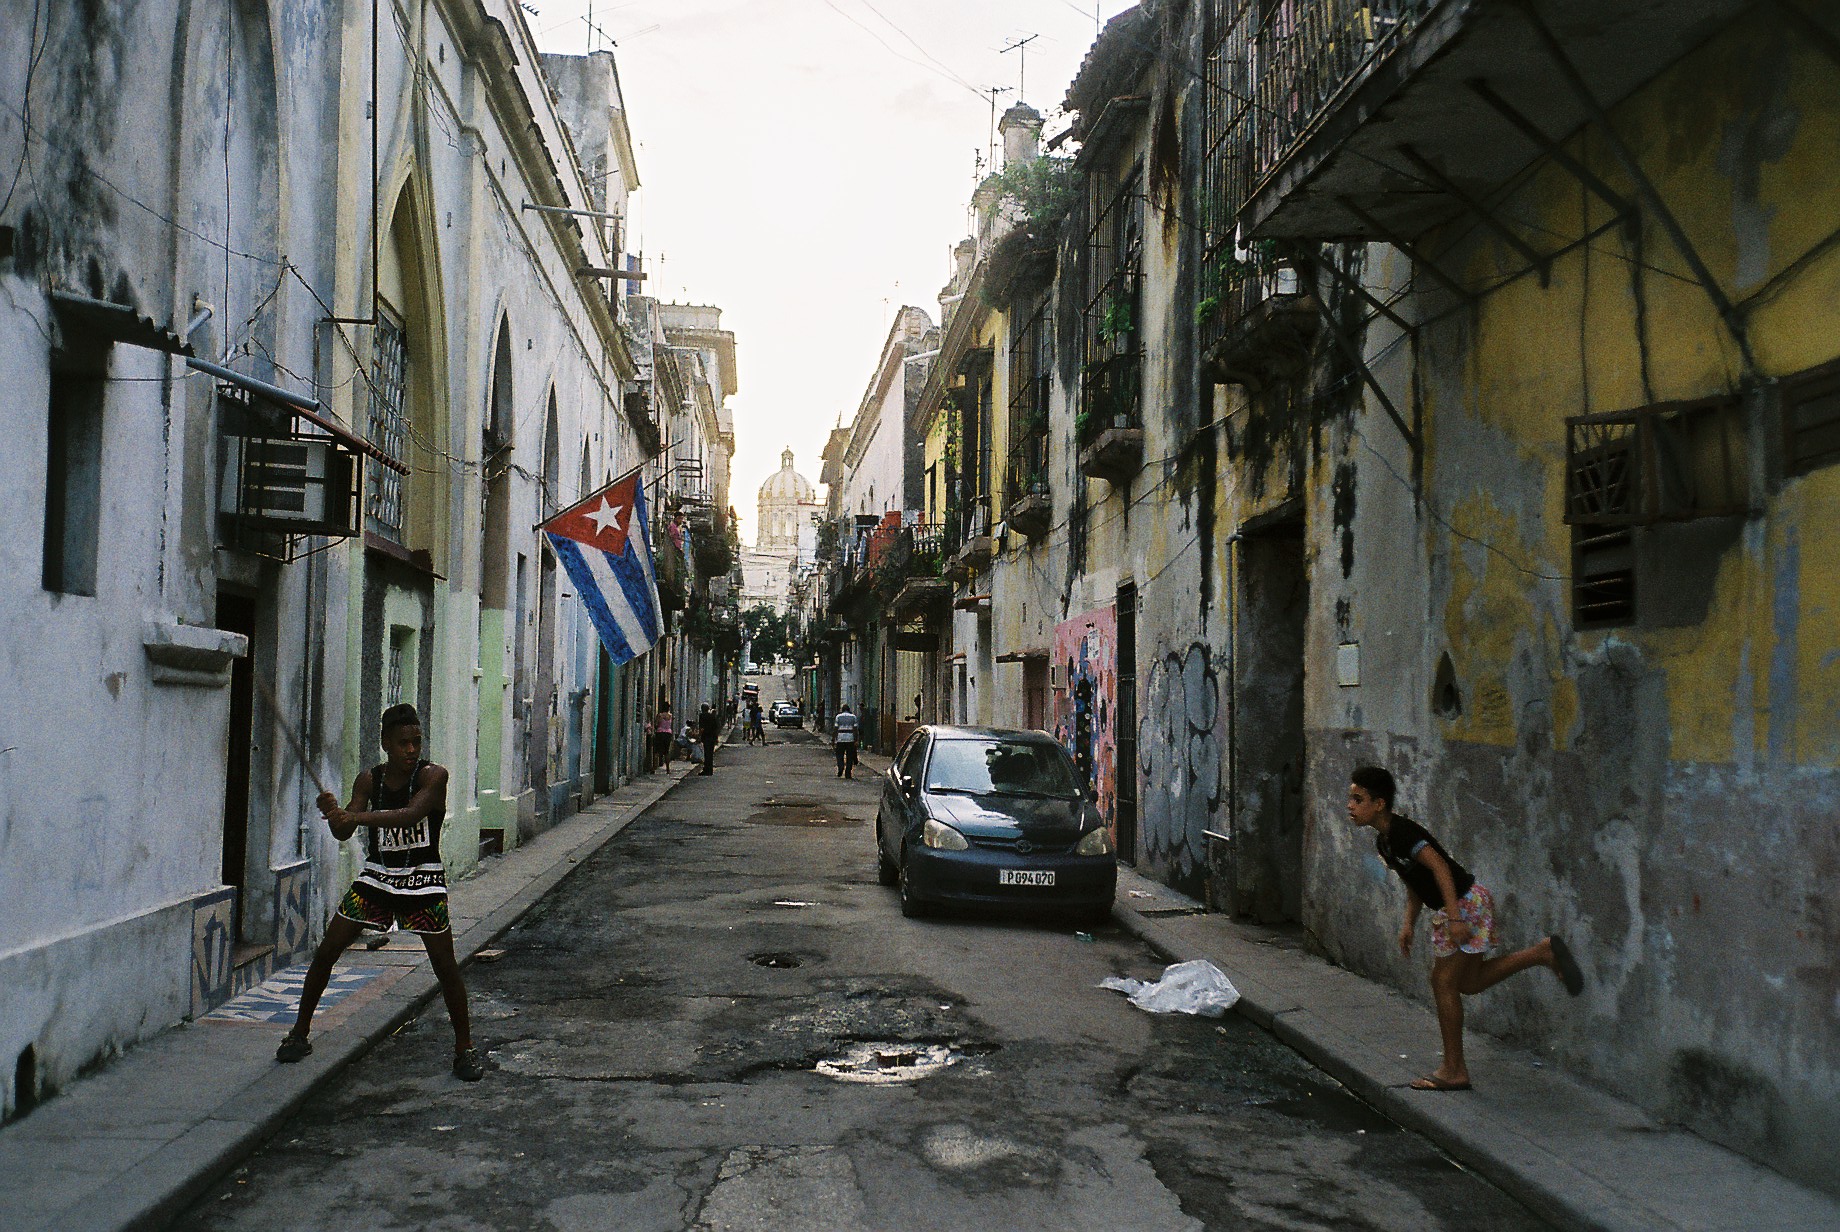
(1739, 140)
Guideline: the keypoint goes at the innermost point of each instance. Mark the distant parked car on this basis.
(787, 714)
(991, 816)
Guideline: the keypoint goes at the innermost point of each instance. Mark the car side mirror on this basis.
(909, 785)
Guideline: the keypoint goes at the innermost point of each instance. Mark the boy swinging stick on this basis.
(402, 803)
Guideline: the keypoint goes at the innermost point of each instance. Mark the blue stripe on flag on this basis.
(639, 550)
(614, 594)
(588, 587)
(631, 576)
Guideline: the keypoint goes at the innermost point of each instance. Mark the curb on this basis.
(148, 1196)
(1301, 1031)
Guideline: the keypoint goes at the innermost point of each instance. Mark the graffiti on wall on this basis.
(1179, 752)
(1086, 652)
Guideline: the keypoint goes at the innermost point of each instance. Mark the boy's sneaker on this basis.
(294, 1048)
(468, 1067)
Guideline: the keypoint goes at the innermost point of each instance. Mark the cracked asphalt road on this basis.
(656, 1023)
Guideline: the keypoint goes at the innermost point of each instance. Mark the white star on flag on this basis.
(607, 515)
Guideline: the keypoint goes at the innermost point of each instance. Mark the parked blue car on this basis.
(993, 817)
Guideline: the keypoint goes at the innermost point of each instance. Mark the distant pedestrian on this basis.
(817, 721)
(845, 742)
(1460, 939)
(710, 729)
(756, 729)
(402, 802)
(663, 733)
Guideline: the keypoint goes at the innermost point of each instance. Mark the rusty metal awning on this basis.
(306, 408)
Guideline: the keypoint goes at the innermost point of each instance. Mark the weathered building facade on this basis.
(289, 403)
(873, 471)
(1448, 385)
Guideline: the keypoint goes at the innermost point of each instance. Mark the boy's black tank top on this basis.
(405, 859)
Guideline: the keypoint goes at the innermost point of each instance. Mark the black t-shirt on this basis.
(1399, 848)
(711, 726)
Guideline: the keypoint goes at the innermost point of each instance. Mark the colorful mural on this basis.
(1086, 654)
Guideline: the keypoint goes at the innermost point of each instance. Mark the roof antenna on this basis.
(1022, 74)
(993, 91)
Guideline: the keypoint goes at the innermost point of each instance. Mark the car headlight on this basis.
(941, 837)
(1094, 843)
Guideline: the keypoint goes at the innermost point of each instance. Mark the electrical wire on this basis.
(35, 51)
(917, 47)
(945, 74)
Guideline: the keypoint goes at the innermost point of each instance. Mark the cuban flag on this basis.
(605, 543)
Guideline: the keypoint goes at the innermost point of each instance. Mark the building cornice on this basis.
(529, 132)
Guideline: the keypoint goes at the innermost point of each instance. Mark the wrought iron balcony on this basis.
(1029, 508)
(914, 569)
(1109, 427)
(1380, 119)
(978, 548)
(1258, 314)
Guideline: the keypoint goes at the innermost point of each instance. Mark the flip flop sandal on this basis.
(1431, 1082)
(294, 1048)
(1568, 966)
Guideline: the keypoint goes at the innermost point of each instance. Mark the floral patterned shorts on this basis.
(1476, 909)
(423, 913)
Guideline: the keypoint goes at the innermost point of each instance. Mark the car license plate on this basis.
(1025, 876)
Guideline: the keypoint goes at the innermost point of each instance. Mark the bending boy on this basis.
(402, 802)
(1461, 935)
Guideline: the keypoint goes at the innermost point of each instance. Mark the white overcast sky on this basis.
(806, 167)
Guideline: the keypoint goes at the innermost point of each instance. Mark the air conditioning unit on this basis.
(301, 487)
(280, 477)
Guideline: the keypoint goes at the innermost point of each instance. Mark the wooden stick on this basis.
(287, 729)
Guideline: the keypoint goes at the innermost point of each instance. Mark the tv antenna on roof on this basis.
(1022, 74)
(993, 91)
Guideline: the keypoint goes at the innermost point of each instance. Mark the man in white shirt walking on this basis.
(844, 741)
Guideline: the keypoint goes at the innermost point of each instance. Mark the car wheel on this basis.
(911, 907)
(886, 871)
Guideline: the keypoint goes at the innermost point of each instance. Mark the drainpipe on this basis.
(1231, 837)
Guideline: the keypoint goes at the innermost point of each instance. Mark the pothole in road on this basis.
(779, 962)
(813, 815)
(889, 1063)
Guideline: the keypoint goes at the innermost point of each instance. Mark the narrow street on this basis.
(676, 1039)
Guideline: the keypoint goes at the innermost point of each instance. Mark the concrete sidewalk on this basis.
(130, 1147)
(1570, 1153)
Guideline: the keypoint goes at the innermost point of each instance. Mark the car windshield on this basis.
(1000, 767)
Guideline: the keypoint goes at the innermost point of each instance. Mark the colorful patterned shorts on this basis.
(422, 913)
(1476, 909)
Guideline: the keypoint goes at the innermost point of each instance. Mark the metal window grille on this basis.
(399, 645)
(1229, 123)
(388, 427)
(1030, 367)
(1110, 376)
(1603, 576)
(1669, 462)
(1811, 420)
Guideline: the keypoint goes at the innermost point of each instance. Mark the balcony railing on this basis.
(1110, 387)
(1257, 314)
(1027, 473)
(1306, 51)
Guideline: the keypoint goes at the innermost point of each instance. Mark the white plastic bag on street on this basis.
(1194, 987)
